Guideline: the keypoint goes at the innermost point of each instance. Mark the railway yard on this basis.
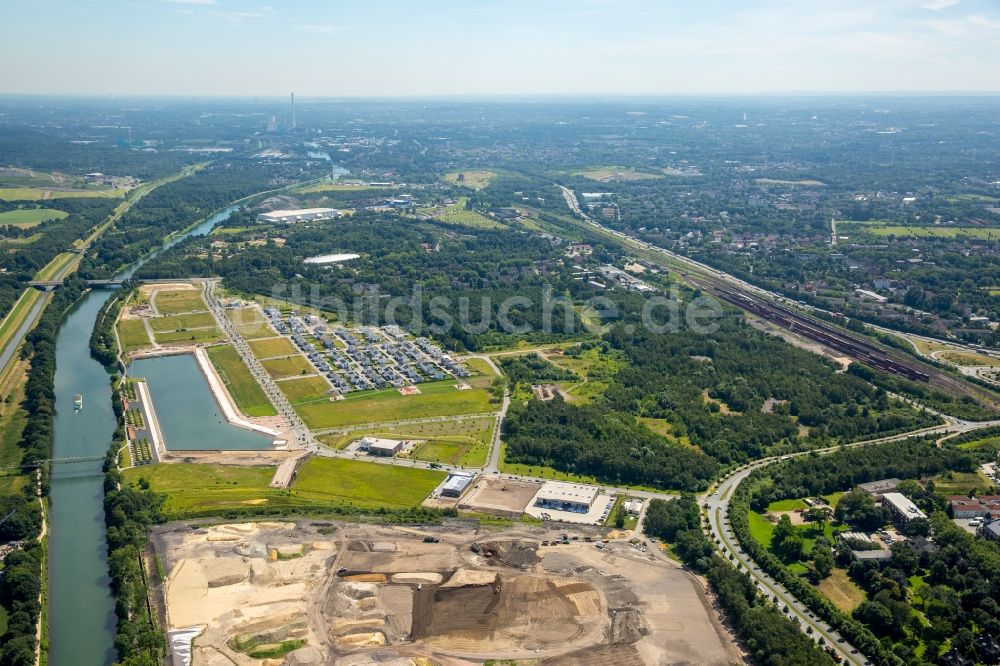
(360, 594)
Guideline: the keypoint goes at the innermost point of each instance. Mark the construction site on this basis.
(320, 593)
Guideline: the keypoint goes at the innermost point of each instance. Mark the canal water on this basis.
(81, 609)
(189, 416)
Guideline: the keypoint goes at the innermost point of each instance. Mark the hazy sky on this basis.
(439, 47)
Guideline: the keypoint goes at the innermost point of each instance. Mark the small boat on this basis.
(77, 402)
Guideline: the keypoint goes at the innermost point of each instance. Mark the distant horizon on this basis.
(394, 48)
(591, 96)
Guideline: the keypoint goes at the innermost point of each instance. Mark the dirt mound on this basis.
(224, 571)
(518, 554)
(626, 626)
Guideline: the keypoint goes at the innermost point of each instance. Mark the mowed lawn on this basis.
(249, 396)
(304, 389)
(435, 399)
(26, 218)
(172, 301)
(195, 489)
(269, 347)
(364, 484)
(132, 335)
(182, 322)
(287, 366)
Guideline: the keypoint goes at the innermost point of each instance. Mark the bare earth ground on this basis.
(366, 594)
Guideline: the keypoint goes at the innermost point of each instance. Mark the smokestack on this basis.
(293, 111)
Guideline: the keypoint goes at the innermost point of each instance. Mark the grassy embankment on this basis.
(246, 392)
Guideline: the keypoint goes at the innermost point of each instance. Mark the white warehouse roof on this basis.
(560, 491)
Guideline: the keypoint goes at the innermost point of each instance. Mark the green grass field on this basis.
(461, 451)
(368, 485)
(194, 489)
(26, 218)
(435, 399)
(879, 228)
(287, 366)
(477, 180)
(304, 389)
(172, 301)
(247, 393)
(57, 267)
(182, 322)
(132, 335)
(268, 347)
(193, 337)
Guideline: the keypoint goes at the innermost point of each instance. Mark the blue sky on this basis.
(437, 47)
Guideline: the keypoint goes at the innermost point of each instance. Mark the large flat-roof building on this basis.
(879, 487)
(456, 484)
(381, 447)
(298, 215)
(902, 509)
(562, 496)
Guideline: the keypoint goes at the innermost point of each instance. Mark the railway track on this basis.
(855, 347)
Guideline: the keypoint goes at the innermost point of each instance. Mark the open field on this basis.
(458, 214)
(960, 483)
(877, 228)
(435, 399)
(132, 335)
(41, 193)
(26, 218)
(254, 331)
(985, 443)
(426, 603)
(472, 436)
(190, 336)
(969, 359)
(268, 347)
(614, 174)
(369, 485)
(842, 591)
(304, 389)
(800, 183)
(477, 180)
(244, 389)
(464, 452)
(173, 301)
(182, 322)
(287, 366)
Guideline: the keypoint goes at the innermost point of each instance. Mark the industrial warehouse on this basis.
(299, 215)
